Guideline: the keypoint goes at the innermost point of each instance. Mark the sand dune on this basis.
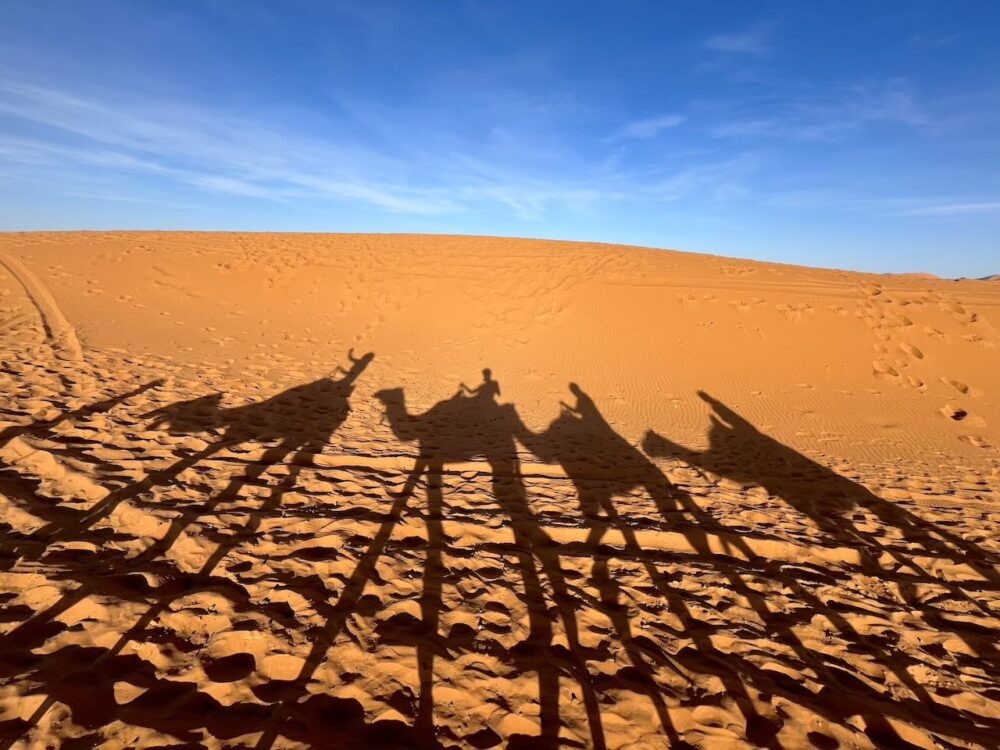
(282, 491)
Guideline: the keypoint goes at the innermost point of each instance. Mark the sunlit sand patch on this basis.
(569, 493)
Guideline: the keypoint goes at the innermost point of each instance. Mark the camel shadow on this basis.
(617, 494)
(470, 427)
(300, 421)
(740, 452)
(602, 465)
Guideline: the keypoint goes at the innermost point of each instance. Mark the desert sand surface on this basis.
(284, 491)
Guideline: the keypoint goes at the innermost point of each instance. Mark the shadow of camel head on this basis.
(390, 395)
(400, 420)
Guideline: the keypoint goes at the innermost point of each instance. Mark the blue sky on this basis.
(852, 135)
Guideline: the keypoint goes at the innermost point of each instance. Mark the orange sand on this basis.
(256, 491)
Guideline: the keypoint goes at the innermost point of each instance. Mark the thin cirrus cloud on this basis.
(755, 40)
(649, 127)
(953, 209)
(229, 153)
(718, 180)
(829, 116)
(211, 151)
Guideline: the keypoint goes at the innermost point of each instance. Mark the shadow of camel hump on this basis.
(602, 466)
(303, 416)
(739, 451)
(302, 419)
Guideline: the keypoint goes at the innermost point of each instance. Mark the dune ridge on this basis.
(396, 490)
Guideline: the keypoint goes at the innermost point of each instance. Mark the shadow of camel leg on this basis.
(348, 600)
(532, 542)
(254, 471)
(68, 530)
(610, 595)
(419, 467)
(430, 599)
(347, 603)
(161, 546)
(104, 508)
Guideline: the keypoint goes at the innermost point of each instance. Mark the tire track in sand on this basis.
(61, 335)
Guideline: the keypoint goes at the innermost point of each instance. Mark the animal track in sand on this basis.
(882, 367)
(957, 385)
(794, 311)
(892, 333)
(954, 412)
(977, 440)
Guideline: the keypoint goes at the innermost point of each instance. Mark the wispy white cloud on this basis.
(715, 180)
(233, 153)
(755, 40)
(825, 115)
(210, 150)
(649, 127)
(953, 209)
(875, 205)
(934, 39)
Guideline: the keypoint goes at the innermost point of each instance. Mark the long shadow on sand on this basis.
(22, 491)
(301, 421)
(603, 469)
(602, 464)
(465, 428)
(740, 452)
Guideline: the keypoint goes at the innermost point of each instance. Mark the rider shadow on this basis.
(474, 427)
(738, 451)
(602, 465)
(301, 420)
(462, 428)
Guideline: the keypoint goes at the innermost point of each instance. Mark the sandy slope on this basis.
(248, 501)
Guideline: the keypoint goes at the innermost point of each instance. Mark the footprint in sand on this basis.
(954, 412)
(957, 385)
(881, 367)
